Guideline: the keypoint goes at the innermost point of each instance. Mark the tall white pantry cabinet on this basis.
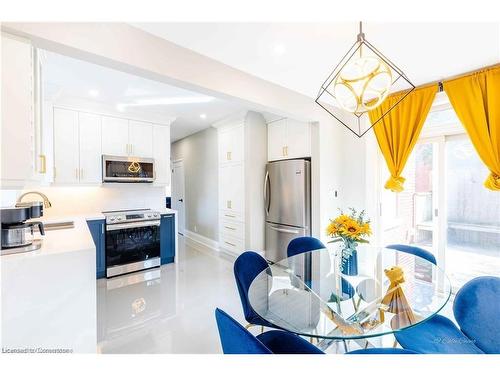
(242, 147)
(21, 159)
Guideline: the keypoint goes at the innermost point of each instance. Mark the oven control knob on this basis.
(119, 219)
(112, 219)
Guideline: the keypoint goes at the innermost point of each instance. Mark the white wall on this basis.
(84, 200)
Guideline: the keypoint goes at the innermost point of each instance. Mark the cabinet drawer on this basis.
(232, 228)
(232, 244)
(230, 215)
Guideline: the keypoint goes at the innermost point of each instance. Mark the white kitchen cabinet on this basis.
(161, 153)
(242, 144)
(232, 197)
(17, 128)
(231, 144)
(77, 147)
(276, 140)
(115, 139)
(90, 148)
(288, 139)
(66, 147)
(140, 135)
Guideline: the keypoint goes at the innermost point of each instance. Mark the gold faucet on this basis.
(46, 201)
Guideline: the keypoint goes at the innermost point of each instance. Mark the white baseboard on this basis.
(196, 240)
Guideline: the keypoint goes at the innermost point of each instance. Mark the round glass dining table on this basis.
(307, 294)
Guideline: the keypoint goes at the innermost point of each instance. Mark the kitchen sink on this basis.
(59, 225)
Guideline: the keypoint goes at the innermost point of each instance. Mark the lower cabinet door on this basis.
(96, 228)
(167, 238)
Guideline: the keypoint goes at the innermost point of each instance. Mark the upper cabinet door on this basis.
(141, 139)
(90, 148)
(232, 144)
(161, 153)
(66, 148)
(17, 127)
(298, 139)
(277, 140)
(115, 136)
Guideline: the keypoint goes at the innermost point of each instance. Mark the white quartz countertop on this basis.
(60, 241)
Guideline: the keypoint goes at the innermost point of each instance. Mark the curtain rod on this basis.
(439, 82)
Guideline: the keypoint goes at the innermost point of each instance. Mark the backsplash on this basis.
(82, 200)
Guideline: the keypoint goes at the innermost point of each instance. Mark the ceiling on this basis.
(300, 56)
(74, 82)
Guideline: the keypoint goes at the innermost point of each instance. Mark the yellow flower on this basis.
(342, 219)
(366, 229)
(332, 229)
(352, 229)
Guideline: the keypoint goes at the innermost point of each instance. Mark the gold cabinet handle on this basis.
(229, 204)
(43, 164)
(231, 228)
(81, 173)
(227, 215)
(76, 173)
(283, 152)
(228, 155)
(229, 243)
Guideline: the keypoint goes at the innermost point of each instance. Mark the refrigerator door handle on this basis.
(267, 200)
(278, 229)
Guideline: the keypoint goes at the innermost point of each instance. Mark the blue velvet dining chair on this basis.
(303, 244)
(477, 312)
(417, 251)
(235, 339)
(246, 268)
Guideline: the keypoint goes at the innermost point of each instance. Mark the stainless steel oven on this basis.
(127, 169)
(132, 241)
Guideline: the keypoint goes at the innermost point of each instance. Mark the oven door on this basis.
(132, 246)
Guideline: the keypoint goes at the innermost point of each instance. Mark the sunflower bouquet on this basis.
(351, 229)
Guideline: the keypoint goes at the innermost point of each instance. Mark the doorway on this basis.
(178, 194)
(445, 208)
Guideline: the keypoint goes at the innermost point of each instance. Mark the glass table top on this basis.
(308, 295)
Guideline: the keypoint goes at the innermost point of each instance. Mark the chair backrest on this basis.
(417, 251)
(246, 268)
(235, 339)
(303, 244)
(477, 312)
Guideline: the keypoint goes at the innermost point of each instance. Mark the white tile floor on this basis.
(171, 309)
(173, 312)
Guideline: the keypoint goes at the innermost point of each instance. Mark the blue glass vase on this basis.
(350, 265)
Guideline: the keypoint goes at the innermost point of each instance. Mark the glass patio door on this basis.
(411, 217)
(446, 209)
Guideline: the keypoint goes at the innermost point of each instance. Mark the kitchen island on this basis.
(49, 295)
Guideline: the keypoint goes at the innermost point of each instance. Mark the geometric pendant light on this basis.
(360, 82)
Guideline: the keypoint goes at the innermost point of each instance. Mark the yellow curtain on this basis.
(398, 131)
(476, 100)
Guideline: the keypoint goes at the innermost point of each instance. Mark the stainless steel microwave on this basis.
(127, 169)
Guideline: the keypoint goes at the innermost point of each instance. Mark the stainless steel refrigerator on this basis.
(287, 203)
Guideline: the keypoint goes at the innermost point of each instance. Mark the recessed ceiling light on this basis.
(279, 49)
(94, 93)
(203, 116)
